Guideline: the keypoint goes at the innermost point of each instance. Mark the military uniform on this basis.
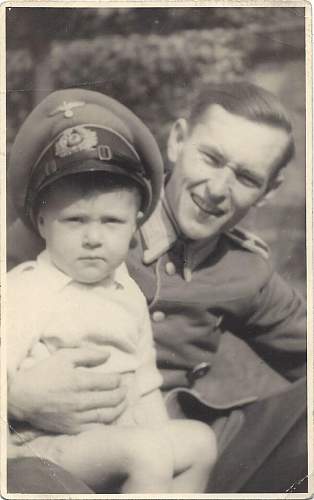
(196, 297)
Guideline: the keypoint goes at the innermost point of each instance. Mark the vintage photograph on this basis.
(157, 239)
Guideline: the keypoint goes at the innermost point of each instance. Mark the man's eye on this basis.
(210, 159)
(247, 181)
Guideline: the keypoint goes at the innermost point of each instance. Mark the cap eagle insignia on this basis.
(67, 108)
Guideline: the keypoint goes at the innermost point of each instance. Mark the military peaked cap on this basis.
(77, 130)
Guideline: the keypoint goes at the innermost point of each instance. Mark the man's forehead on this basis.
(250, 144)
(217, 114)
(216, 120)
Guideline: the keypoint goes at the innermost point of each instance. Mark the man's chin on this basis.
(198, 232)
(202, 235)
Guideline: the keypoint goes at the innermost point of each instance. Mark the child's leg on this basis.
(140, 460)
(195, 452)
(152, 469)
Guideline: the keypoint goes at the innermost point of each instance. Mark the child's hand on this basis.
(61, 394)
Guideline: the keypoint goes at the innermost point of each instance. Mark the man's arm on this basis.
(276, 327)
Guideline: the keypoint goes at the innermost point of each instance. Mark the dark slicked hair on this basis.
(249, 101)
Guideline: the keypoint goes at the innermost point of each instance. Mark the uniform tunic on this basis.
(211, 309)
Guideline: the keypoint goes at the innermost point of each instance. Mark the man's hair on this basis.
(249, 101)
(89, 182)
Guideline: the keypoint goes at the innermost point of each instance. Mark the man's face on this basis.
(88, 236)
(222, 168)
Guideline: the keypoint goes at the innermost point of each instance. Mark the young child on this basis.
(93, 182)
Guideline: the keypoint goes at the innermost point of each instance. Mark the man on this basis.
(203, 277)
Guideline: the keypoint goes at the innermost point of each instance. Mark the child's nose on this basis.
(92, 235)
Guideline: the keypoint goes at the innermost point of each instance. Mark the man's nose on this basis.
(218, 185)
(92, 235)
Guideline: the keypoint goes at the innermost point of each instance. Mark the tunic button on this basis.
(170, 268)
(158, 316)
(187, 274)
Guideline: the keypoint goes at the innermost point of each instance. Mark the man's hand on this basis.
(63, 394)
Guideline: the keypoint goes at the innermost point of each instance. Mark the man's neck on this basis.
(211, 244)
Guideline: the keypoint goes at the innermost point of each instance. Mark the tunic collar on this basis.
(160, 234)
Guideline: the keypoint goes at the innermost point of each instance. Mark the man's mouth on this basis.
(206, 207)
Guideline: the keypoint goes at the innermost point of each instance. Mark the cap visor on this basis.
(91, 165)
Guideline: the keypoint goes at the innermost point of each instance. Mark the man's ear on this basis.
(41, 225)
(271, 191)
(177, 136)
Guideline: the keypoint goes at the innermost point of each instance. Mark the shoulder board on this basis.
(249, 241)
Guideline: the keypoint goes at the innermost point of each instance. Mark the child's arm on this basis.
(21, 325)
(151, 405)
(151, 409)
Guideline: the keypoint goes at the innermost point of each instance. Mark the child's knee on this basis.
(199, 441)
(151, 453)
(205, 443)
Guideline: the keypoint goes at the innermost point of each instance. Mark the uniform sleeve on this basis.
(148, 375)
(276, 327)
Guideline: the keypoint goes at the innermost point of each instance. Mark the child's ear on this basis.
(41, 225)
(139, 217)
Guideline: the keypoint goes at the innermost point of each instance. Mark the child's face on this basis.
(88, 235)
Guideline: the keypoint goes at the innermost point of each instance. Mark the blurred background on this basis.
(154, 60)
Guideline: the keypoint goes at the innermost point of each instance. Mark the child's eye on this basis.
(112, 220)
(74, 219)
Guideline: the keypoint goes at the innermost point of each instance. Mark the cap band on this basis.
(71, 151)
